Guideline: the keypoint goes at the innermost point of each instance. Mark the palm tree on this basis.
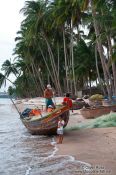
(96, 9)
(48, 49)
(9, 68)
(3, 79)
(35, 13)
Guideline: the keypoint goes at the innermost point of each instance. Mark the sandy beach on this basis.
(93, 146)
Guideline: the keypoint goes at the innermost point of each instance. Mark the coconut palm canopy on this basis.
(53, 47)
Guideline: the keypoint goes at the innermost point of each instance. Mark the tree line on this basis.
(67, 43)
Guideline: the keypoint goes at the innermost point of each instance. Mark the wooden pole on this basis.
(15, 106)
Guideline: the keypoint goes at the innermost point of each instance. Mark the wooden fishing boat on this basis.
(79, 104)
(46, 125)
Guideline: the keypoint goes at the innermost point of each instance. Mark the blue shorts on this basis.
(49, 102)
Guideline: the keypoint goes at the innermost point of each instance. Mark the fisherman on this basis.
(48, 94)
(67, 101)
(50, 108)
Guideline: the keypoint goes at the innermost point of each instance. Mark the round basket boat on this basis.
(94, 112)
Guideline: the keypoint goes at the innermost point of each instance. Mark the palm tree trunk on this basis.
(100, 50)
(9, 80)
(72, 54)
(53, 66)
(113, 64)
(113, 81)
(50, 73)
(58, 59)
(36, 72)
(34, 79)
(99, 79)
(66, 66)
(33, 70)
(90, 82)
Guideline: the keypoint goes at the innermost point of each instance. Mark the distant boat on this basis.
(4, 95)
(47, 124)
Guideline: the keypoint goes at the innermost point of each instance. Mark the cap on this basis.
(49, 86)
(50, 106)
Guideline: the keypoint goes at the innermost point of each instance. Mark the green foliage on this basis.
(11, 90)
(9, 68)
(2, 80)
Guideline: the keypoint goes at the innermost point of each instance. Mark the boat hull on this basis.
(89, 113)
(47, 126)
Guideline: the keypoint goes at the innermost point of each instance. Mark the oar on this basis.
(15, 106)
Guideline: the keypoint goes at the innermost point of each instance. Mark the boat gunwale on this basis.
(49, 116)
(42, 127)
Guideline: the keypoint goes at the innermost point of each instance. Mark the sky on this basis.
(10, 19)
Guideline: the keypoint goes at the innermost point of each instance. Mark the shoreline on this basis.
(93, 146)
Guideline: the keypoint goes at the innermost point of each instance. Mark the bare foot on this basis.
(59, 142)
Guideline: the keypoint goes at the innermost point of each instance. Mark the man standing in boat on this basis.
(48, 95)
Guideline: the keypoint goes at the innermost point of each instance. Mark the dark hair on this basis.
(59, 117)
(67, 94)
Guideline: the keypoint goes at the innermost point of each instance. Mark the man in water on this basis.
(48, 94)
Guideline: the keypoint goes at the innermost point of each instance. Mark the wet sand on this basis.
(94, 146)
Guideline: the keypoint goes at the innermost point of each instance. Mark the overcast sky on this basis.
(10, 20)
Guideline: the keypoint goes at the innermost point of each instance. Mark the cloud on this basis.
(10, 20)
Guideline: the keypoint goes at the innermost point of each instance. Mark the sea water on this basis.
(24, 154)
